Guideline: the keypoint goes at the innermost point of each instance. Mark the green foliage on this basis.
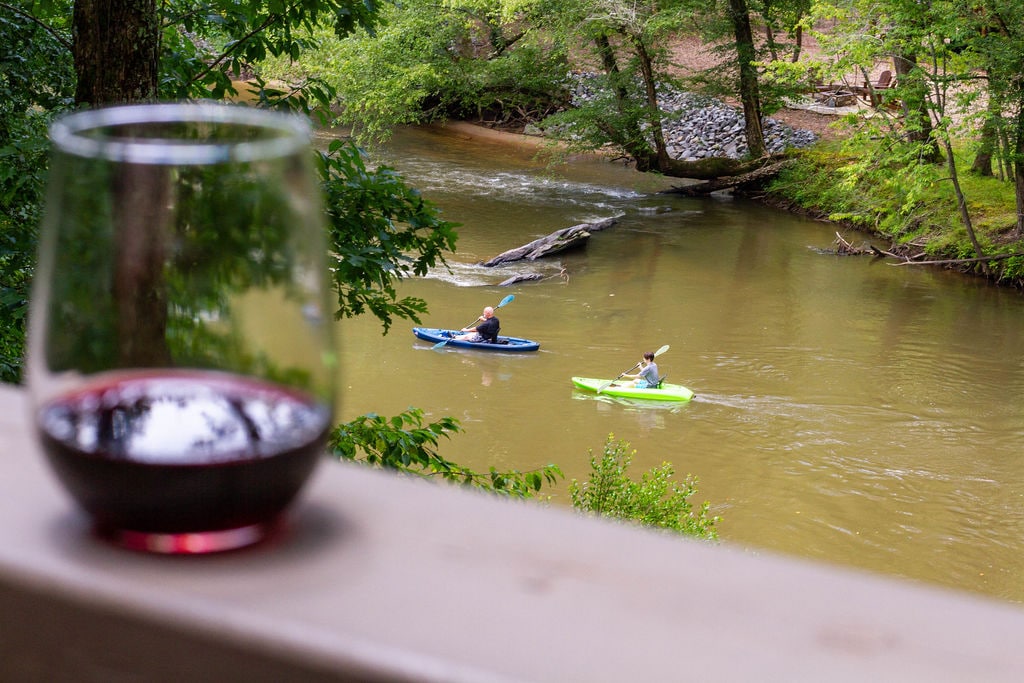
(208, 43)
(619, 108)
(36, 83)
(778, 20)
(382, 231)
(882, 187)
(404, 444)
(430, 62)
(655, 501)
(602, 117)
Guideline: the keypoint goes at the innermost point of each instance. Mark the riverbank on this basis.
(820, 186)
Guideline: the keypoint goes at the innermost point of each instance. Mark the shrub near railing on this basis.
(655, 501)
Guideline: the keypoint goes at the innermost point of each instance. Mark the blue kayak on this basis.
(436, 335)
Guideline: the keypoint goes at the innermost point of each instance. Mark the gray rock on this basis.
(700, 127)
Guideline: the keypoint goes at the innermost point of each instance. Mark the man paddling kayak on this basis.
(648, 375)
(486, 329)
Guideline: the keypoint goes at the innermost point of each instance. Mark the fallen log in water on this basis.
(558, 241)
(528, 277)
(754, 177)
(533, 277)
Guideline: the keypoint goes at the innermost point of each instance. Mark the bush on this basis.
(654, 501)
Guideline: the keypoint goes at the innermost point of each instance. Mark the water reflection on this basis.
(647, 415)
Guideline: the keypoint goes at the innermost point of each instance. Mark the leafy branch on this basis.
(65, 43)
(405, 444)
(383, 231)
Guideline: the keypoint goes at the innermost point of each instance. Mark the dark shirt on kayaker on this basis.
(488, 330)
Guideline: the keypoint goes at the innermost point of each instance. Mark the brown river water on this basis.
(848, 410)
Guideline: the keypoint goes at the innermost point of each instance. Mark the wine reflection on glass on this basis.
(178, 416)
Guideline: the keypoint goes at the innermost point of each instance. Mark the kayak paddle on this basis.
(604, 386)
(507, 300)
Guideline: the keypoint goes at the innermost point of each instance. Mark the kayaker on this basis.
(485, 329)
(648, 375)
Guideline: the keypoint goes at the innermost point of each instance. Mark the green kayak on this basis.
(666, 392)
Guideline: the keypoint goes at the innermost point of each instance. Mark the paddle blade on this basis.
(609, 383)
(660, 351)
(439, 344)
(507, 300)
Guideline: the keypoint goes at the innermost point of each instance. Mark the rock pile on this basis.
(697, 127)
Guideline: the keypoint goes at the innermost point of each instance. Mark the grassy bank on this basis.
(882, 189)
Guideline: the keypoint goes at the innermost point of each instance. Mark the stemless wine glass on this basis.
(180, 364)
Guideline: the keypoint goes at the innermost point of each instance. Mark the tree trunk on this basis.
(769, 39)
(913, 94)
(988, 138)
(629, 137)
(141, 249)
(798, 43)
(754, 177)
(746, 54)
(1018, 167)
(651, 92)
(961, 201)
(116, 51)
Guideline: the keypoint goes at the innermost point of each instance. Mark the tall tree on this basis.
(750, 96)
(913, 92)
(116, 65)
(1000, 36)
(622, 104)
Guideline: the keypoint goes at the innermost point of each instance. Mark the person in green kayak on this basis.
(648, 376)
(485, 329)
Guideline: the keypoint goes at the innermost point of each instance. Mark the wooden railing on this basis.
(383, 579)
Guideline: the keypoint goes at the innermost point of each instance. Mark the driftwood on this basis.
(558, 241)
(958, 261)
(528, 277)
(757, 175)
(844, 247)
(533, 277)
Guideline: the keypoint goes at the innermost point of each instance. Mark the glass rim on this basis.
(291, 134)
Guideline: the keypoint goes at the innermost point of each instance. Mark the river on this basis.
(848, 410)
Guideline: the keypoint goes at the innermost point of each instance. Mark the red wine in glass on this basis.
(183, 461)
(180, 365)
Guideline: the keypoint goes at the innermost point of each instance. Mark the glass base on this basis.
(194, 543)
